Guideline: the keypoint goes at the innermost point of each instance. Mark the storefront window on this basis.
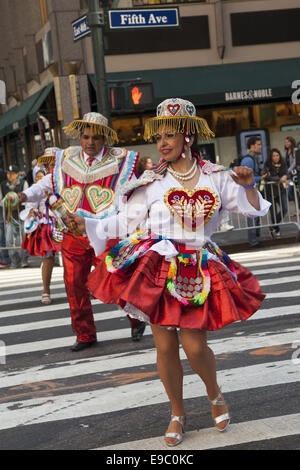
(224, 121)
(130, 129)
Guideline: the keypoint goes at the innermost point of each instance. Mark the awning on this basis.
(26, 113)
(221, 84)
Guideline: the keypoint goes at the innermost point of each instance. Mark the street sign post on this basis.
(116, 20)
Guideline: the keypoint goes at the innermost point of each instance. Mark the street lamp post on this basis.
(95, 19)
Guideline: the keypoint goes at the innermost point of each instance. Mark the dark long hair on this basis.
(269, 161)
(292, 141)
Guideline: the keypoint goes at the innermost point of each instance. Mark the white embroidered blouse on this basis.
(147, 208)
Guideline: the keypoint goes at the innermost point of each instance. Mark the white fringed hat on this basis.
(178, 116)
(48, 156)
(94, 121)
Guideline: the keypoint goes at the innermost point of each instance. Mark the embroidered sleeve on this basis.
(234, 198)
(36, 192)
(120, 225)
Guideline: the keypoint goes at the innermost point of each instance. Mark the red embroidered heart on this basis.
(173, 108)
(193, 208)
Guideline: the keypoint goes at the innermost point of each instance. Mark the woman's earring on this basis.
(186, 147)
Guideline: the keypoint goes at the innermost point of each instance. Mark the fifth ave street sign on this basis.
(145, 18)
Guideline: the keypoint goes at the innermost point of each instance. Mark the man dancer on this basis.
(88, 179)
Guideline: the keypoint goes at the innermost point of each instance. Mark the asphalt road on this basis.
(110, 397)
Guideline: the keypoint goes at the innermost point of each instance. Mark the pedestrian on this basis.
(14, 229)
(275, 189)
(43, 235)
(88, 178)
(4, 257)
(251, 160)
(144, 163)
(170, 273)
(290, 161)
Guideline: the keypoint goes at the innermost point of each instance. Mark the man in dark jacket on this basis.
(251, 160)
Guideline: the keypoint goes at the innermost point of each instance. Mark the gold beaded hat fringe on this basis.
(177, 116)
(48, 156)
(97, 123)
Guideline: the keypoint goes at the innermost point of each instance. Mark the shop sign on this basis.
(144, 18)
(249, 95)
(296, 94)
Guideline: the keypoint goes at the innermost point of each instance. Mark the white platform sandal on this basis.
(176, 435)
(46, 299)
(223, 417)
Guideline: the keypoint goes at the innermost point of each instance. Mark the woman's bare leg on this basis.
(47, 268)
(170, 371)
(202, 360)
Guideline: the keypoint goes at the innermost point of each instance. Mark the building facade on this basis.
(237, 60)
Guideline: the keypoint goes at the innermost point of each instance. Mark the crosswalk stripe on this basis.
(210, 438)
(18, 298)
(39, 325)
(36, 298)
(283, 252)
(28, 289)
(286, 269)
(64, 306)
(219, 346)
(279, 280)
(107, 400)
(67, 404)
(113, 314)
(285, 261)
(42, 308)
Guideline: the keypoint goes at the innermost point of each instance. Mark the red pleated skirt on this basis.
(142, 285)
(39, 242)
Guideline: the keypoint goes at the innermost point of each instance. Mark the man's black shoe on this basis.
(80, 345)
(138, 331)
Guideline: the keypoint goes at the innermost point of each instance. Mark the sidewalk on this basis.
(236, 241)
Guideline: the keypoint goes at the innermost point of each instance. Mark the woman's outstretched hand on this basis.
(75, 221)
(244, 175)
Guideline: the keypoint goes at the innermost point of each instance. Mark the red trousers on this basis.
(78, 258)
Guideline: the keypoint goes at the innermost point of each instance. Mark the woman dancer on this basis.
(42, 235)
(170, 273)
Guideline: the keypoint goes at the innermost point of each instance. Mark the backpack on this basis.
(236, 162)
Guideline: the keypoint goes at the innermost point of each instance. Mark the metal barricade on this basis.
(284, 210)
(17, 239)
(11, 232)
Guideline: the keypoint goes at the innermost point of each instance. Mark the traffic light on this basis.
(141, 95)
(117, 97)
